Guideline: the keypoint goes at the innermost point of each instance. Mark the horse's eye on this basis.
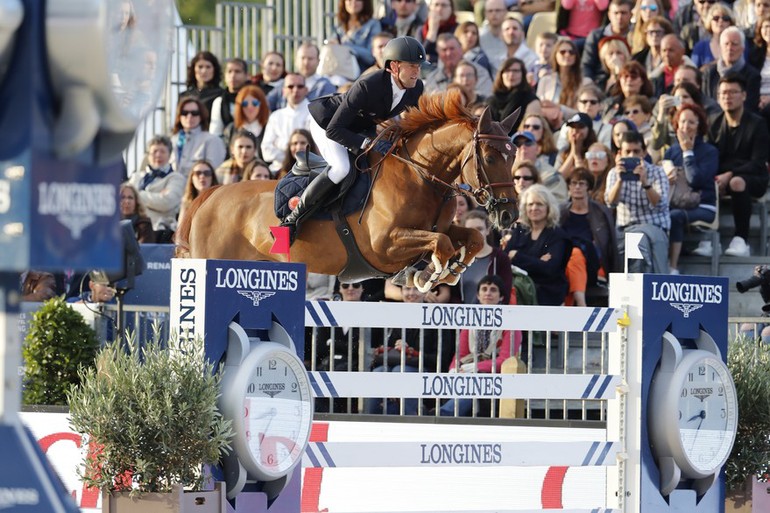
(489, 159)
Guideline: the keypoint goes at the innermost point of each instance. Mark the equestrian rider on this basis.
(347, 122)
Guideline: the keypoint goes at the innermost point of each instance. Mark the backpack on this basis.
(523, 287)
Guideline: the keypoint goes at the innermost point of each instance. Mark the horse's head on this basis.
(489, 173)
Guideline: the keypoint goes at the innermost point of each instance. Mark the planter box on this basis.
(178, 501)
(754, 498)
(760, 496)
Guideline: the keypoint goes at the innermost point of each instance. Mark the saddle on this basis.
(351, 198)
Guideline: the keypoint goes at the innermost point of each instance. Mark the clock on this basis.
(267, 395)
(692, 414)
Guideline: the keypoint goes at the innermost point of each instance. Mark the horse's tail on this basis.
(182, 235)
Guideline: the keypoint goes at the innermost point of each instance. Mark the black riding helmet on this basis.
(404, 49)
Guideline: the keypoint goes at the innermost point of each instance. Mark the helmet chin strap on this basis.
(395, 75)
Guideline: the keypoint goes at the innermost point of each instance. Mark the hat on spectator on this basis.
(525, 134)
(630, 124)
(580, 118)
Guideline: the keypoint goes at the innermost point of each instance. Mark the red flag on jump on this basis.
(282, 243)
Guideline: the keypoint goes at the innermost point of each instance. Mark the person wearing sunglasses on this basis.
(191, 139)
(283, 121)
(716, 20)
(251, 113)
(650, 55)
(223, 108)
(643, 12)
(558, 88)
(589, 102)
(346, 123)
(306, 62)
(160, 187)
(524, 174)
(599, 164)
(202, 177)
(527, 151)
(638, 108)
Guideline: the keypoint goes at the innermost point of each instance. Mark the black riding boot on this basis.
(311, 200)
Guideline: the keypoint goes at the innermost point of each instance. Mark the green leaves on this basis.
(58, 343)
(151, 416)
(749, 363)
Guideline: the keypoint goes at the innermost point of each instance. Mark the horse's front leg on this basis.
(468, 242)
(411, 243)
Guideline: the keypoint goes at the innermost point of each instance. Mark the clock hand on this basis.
(701, 415)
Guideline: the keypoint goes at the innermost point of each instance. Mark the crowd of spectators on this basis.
(638, 117)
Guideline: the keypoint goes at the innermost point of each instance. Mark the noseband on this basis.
(485, 194)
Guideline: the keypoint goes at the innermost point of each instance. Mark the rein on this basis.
(484, 194)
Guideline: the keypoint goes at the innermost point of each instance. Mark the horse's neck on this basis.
(442, 152)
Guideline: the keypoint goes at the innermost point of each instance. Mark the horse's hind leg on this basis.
(410, 243)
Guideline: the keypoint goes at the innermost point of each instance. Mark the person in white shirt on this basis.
(283, 121)
(513, 37)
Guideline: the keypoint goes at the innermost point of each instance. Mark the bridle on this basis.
(484, 194)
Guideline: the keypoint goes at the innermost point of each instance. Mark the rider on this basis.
(347, 122)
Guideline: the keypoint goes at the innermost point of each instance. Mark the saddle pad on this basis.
(292, 185)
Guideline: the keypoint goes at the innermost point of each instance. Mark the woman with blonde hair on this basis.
(539, 246)
(644, 11)
(614, 53)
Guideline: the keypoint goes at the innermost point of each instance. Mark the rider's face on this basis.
(407, 73)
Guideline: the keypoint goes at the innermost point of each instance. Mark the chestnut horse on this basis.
(409, 212)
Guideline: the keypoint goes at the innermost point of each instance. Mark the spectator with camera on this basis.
(639, 190)
(741, 138)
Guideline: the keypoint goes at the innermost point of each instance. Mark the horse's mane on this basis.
(435, 110)
(182, 234)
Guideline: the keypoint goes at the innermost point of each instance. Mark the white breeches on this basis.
(334, 153)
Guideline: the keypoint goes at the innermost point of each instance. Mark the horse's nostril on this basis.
(506, 219)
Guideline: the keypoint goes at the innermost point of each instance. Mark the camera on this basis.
(761, 276)
(627, 170)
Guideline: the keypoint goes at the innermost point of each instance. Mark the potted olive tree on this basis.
(151, 418)
(747, 467)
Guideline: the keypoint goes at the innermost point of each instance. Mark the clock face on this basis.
(277, 412)
(707, 414)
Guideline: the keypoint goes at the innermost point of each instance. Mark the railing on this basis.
(555, 353)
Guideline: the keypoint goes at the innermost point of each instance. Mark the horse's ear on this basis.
(485, 121)
(509, 122)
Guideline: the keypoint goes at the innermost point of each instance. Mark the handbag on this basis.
(338, 59)
(680, 194)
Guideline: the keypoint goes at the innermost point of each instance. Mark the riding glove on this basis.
(382, 146)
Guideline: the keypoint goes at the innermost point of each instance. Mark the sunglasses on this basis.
(295, 86)
(632, 112)
(722, 18)
(652, 8)
(567, 51)
(254, 103)
(202, 172)
(596, 155)
(589, 102)
(527, 126)
(525, 142)
(189, 113)
(405, 1)
(349, 285)
(654, 32)
(525, 178)
(706, 1)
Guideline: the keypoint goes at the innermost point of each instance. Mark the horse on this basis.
(408, 216)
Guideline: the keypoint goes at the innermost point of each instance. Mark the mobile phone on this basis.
(676, 101)
(629, 164)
